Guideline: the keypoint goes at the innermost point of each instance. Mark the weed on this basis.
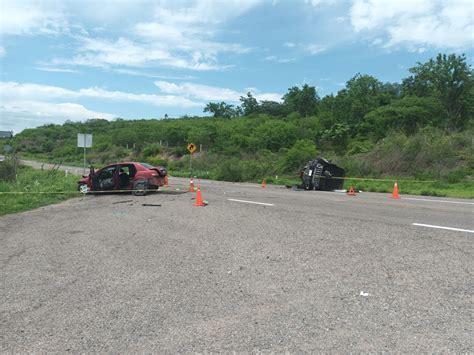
(36, 188)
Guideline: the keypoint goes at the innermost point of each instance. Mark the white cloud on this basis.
(203, 13)
(179, 35)
(56, 70)
(125, 52)
(2, 51)
(415, 24)
(31, 105)
(49, 110)
(18, 115)
(211, 93)
(314, 48)
(311, 49)
(12, 91)
(153, 76)
(32, 18)
(272, 58)
(317, 3)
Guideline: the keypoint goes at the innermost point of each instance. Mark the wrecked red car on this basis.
(133, 176)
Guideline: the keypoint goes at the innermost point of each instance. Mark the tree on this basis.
(272, 108)
(304, 101)
(408, 114)
(362, 94)
(338, 135)
(275, 134)
(249, 104)
(301, 152)
(448, 79)
(124, 137)
(220, 109)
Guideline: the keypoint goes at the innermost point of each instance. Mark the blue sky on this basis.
(76, 60)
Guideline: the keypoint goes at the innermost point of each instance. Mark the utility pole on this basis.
(84, 154)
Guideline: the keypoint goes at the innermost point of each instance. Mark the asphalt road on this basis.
(47, 166)
(302, 272)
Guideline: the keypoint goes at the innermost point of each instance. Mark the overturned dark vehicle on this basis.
(321, 174)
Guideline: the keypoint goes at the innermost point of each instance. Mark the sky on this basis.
(76, 60)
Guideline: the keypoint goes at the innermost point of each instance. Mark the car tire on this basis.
(140, 187)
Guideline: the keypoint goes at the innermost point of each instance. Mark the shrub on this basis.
(151, 150)
(301, 152)
(8, 169)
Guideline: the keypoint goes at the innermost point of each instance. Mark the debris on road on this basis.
(119, 214)
(151, 205)
(114, 203)
(364, 294)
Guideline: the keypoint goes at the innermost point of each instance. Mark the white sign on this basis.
(84, 140)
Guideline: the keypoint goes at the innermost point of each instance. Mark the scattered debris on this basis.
(364, 294)
(119, 214)
(122, 202)
(151, 205)
(294, 188)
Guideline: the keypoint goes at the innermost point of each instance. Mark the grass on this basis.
(38, 188)
(406, 185)
(43, 158)
(463, 189)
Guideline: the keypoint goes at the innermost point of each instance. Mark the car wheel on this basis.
(84, 188)
(140, 187)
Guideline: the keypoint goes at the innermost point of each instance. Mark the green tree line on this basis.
(362, 127)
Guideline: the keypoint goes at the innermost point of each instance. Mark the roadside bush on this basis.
(230, 170)
(8, 169)
(301, 152)
(156, 160)
(151, 150)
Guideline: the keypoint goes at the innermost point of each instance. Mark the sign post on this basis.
(84, 141)
(191, 150)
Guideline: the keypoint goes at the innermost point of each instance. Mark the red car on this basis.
(137, 177)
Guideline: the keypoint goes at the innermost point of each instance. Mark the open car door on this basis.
(106, 179)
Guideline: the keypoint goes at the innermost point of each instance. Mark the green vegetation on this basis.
(419, 129)
(52, 186)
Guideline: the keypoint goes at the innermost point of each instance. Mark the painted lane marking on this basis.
(255, 203)
(440, 227)
(442, 201)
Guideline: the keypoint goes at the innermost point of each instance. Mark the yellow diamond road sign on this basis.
(191, 148)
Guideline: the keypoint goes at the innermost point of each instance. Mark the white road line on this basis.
(255, 203)
(441, 201)
(440, 227)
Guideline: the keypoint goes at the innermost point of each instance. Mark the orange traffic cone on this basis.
(264, 183)
(395, 191)
(191, 185)
(351, 192)
(199, 201)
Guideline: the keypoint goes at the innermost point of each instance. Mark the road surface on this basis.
(47, 166)
(256, 270)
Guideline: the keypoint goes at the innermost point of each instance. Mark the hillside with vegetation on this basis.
(421, 128)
